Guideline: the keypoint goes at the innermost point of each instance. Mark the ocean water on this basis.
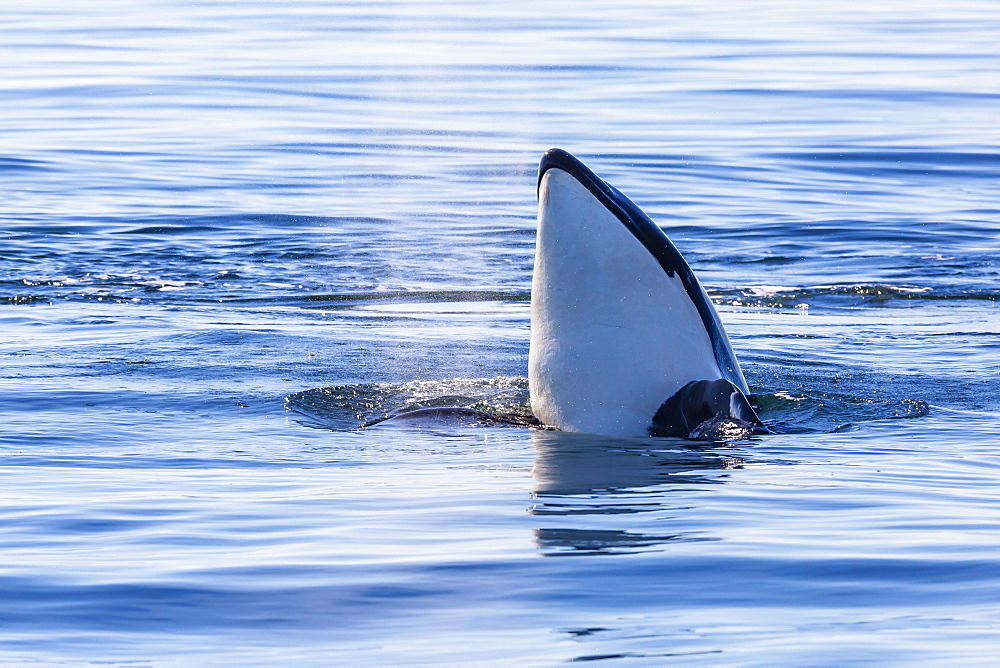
(234, 233)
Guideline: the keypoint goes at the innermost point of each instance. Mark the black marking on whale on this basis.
(658, 245)
(707, 410)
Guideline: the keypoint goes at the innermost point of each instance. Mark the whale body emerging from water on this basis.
(624, 340)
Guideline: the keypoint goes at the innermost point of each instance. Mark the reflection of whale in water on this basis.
(594, 464)
(624, 340)
(580, 475)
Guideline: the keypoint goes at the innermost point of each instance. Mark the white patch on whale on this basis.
(614, 333)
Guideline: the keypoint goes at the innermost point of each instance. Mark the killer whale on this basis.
(624, 339)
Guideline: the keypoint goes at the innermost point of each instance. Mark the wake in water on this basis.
(348, 407)
(813, 403)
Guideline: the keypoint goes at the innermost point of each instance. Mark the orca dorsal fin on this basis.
(700, 407)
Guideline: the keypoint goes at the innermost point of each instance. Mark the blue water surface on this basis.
(234, 233)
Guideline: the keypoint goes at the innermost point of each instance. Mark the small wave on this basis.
(822, 410)
(21, 300)
(267, 221)
(346, 407)
(421, 296)
(101, 286)
(10, 164)
(889, 162)
(840, 295)
(170, 229)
